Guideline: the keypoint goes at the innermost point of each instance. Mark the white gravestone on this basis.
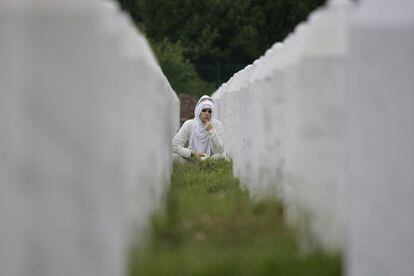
(381, 100)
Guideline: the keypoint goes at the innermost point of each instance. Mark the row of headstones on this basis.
(324, 121)
(86, 121)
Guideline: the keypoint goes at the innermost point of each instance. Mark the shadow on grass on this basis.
(211, 227)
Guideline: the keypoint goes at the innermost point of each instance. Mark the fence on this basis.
(324, 122)
(87, 119)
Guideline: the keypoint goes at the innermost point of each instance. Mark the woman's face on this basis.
(205, 115)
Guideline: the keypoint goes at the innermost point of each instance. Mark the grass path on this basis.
(210, 227)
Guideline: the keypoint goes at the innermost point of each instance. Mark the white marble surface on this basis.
(286, 130)
(87, 120)
(381, 97)
(330, 132)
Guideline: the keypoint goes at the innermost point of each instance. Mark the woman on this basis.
(202, 135)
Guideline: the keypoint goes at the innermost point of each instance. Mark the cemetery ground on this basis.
(209, 226)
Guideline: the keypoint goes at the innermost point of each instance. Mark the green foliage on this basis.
(211, 227)
(219, 37)
(180, 71)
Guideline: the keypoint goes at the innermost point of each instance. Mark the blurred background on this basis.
(201, 44)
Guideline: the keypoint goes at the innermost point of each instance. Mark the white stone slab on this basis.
(381, 66)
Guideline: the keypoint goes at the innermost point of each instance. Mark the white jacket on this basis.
(182, 138)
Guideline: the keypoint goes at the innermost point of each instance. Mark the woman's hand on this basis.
(197, 155)
(208, 125)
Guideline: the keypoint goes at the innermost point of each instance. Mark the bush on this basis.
(180, 71)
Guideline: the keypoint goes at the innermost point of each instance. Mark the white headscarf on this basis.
(199, 139)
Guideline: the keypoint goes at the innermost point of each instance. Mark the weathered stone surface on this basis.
(187, 104)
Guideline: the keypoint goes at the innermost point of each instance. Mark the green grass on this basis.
(211, 227)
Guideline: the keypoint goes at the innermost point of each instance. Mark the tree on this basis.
(218, 37)
(180, 71)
